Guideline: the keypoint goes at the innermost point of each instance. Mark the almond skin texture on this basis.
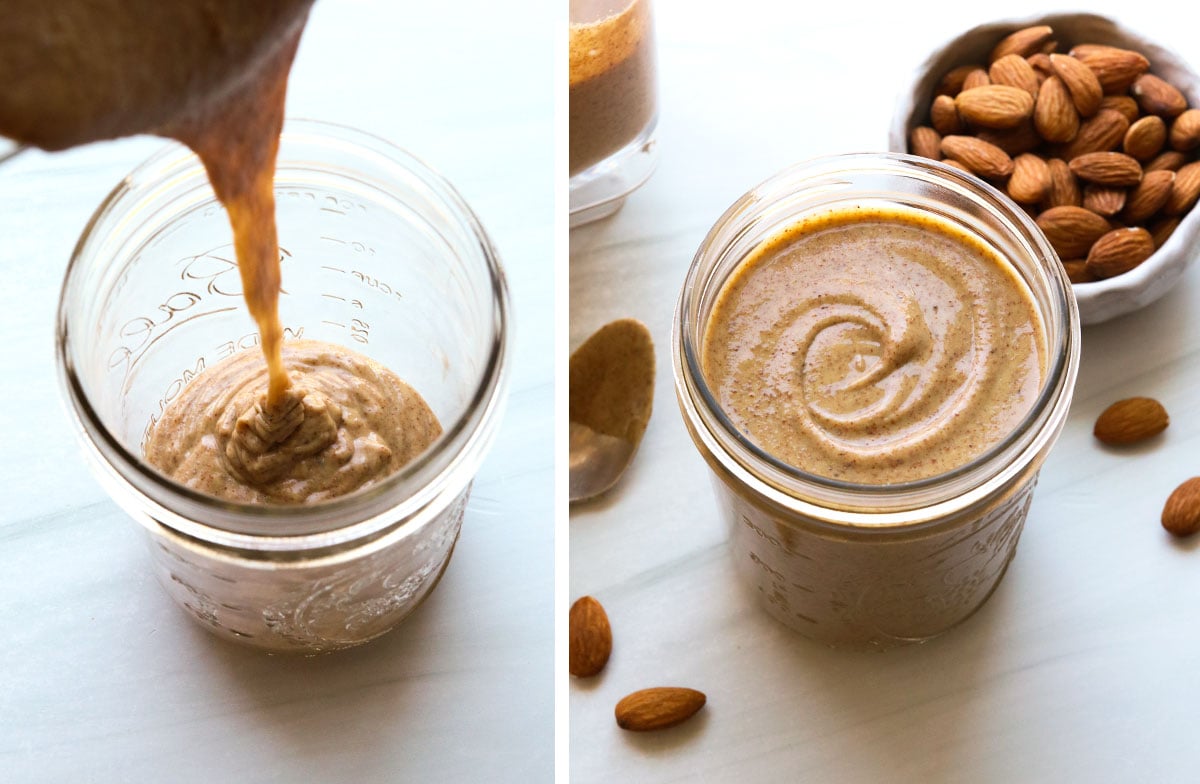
(1171, 160)
(1080, 81)
(1103, 200)
(1181, 512)
(943, 116)
(1064, 188)
(1161, 230)
(1098, 134)
(976, 78)
(1054, 114)
(590, 638)
(658, 708)
(1077, 271)
(1030, 179)
(1023, 42)
(926, 142)
(1115, 68)
(1014, 71)
(986, 160)
(1115, 169)
(1130, 420)
(1014, 141)
(994, 105)
(1145, 138)
(952, 82)
(1156, 96)
(1119, 251)
(1184, 190)
(1122, 104)
(1148, 197)
(1071, 231)
(1185, 131)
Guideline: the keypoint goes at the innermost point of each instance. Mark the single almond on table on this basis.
(1030, 179)
(994, 105)
(1103, 199)
(982, 158)
(1131, 420)
(1071, 231)
(1064, 187)
(926, 142)
(1148, 197)
(1014, 71)
(1080, 81)
(1054, 114)
(1115, 68)
(590, 638)
(1122, 104)
(1171, 160)
(1115, 169)
(1097, 134)
(1184, 190)
(1185, 131)
(1145, 138)
(658, 708)
(1157, 96)
(1119, 251)
(1023, 42)
(1181, 512)
(943, 116)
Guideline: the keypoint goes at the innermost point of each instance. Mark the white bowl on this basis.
(1105, 299)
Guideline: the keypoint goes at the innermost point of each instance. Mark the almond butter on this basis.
(952, 83)
(926, 142)
(1030, 179)
(982, 158)
(1184, 190)
(658, 708)
(1080, 82)
(1119, 251)
(1064, 188)
(1145, 138)
(1122, 104)
(1097, 134)
(1185, 131)
(977, 77)
(1115, 169)
(1103, 199)
(994, 105)
(1181, 512)
(1156, 96)
(1054, 114)
(590, 638)
(1024, 42)
(1115, 68)
(1162, 229)
(1130, 420)
(1071, 231)
(1015, 71)
(1148, 197)
(1171, 160)
(943, 116)
(1077, 271)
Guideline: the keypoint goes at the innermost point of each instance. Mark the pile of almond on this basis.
(1098, 150)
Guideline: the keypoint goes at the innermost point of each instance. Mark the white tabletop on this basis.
(1085, 664)
(102, 678)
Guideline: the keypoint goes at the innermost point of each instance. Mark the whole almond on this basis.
(1077, 271)
(926, 142)
(1115, 68)
(1157, 96)
(1130, 420)
(956, 165)
(1081, 83)
(1184, 190)
(1119, 251)
(1103, 199)
(1030, 179)
(1122, 104)
(1015, 71)
(977, 77)
(1171, 160)
(1024, 42)
(1054, 113)
(658, 708)
(1064, 188)
(1071, 231)
(1040, 63)
(590, 638)
(1148, 197)
(1162, 229)
(1181, 512)
(1101, 133)
(1115, 169)
(986, 160)
(952, 83)
(943, 116)
(994, 105)
(1185, 131)
(1145, 138)
(1020, 139)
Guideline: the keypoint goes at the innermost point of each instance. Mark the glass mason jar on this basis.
(379, 254)
(859, 565)
(613, 104)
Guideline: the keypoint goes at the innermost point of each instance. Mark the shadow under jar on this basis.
(847, 563)
(379, 254)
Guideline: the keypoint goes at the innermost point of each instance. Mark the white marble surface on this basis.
(1083, 667)
(104, 680)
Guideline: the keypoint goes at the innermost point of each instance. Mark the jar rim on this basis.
(367, 513)
(856, 503)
